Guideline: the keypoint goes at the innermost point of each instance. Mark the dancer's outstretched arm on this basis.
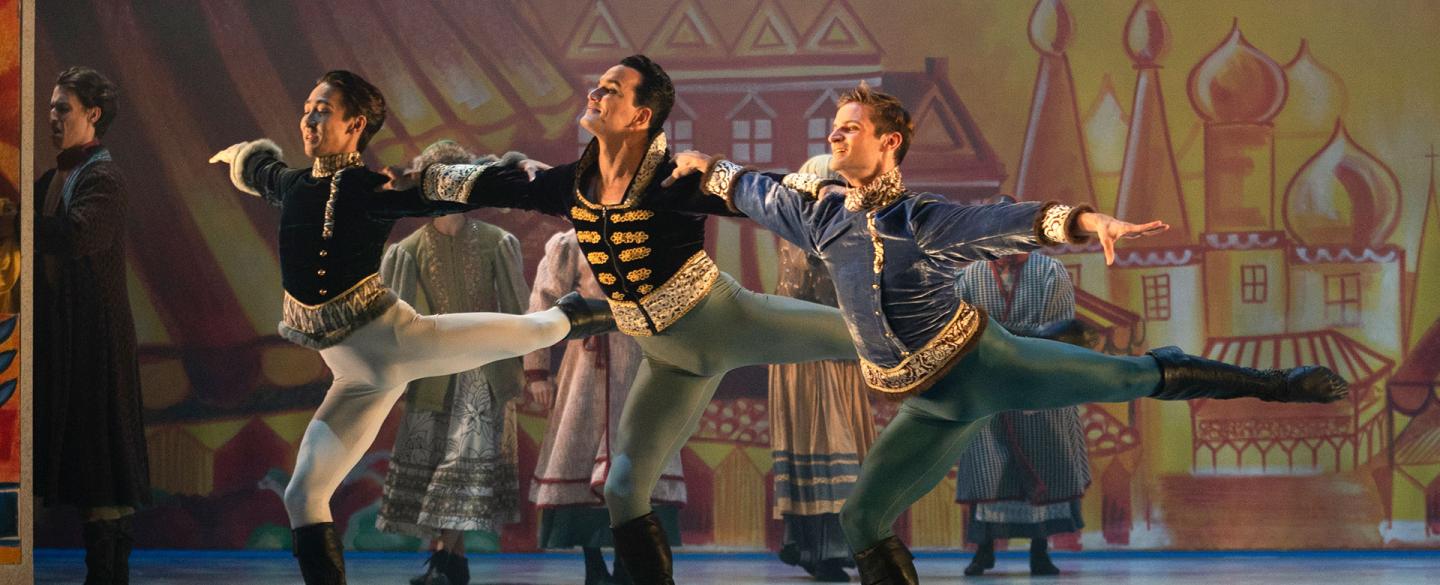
(796, 206)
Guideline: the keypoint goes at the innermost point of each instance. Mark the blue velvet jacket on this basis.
(894, 255)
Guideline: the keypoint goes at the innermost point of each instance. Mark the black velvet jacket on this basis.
(647, 252)
(331, 283)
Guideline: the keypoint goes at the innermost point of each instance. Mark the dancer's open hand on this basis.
(1109, 230)
(227, 156)
(533, 167)
(686, 163)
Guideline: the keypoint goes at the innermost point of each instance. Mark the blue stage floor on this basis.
(1308, 568)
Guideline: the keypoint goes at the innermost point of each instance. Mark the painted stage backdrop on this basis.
(1289, 143)
(9, 279)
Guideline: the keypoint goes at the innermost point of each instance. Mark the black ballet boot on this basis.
(596, 573)
(1040, 564)
(1188, 376)
(456, 569)
(887, 563)
(320, 554)
(587, 316)
(642, 546)
(124, 543)
(434, 570)
(830, 571)
(983, 560)
(99, 552)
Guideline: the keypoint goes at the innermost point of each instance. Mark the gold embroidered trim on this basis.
(876, 241)
(668, 302)
(616, 297)
(452, 182)
(632, 215)
(633, 254)
(605, 278)
(581, 214)
(883, 191)
(645, 289)
(918, 371)
(597, 257)
(654, 155)
(587, 237)
(323, 325)
(1054, 225)
(720, 179)
(333, 163)
(619, 238)
(638, 275)
(805, 183)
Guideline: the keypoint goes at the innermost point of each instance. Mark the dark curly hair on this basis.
(94, 91)
(361, 98)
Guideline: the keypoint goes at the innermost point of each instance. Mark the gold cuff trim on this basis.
(453, 182)
(1059, 224)
(326, 324)
(719, 180)
(668, 302)
(921, 369)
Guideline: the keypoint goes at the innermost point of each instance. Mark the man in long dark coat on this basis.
(89, 433)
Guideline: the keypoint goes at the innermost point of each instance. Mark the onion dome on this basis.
(1343, 195)
(1237, 83)
(1147, 37)
(1052, 27)
(1317, 95)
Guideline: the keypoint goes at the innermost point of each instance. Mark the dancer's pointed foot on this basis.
(1186, 376)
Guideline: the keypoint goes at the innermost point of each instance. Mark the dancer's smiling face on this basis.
(610, 108)
(858, 151)
(325, 127)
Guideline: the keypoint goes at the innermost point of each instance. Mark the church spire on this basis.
(1053, 165)
(1149, 180)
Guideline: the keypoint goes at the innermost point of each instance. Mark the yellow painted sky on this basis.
(1387, 52)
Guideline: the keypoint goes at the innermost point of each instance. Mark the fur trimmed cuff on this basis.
(719, 179)
(237, 166)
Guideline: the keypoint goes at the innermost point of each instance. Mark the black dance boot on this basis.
(434, 570)
(456, 569)
(320, 554)
(587, 316)
(124, 543)
(645, 551)
(596, 573)
(830, 571)
(887, 563)
(99, 552)
(1188, 376)
(983, 560)
(1040, 564)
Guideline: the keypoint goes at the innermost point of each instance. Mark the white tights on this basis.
(372, 368)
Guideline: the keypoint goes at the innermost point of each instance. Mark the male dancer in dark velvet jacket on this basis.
(645, 245)
(333, 227)
(894, 255)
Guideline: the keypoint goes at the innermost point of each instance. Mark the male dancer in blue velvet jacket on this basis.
(894, 254)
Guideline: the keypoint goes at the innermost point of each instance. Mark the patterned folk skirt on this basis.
(454, 469)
